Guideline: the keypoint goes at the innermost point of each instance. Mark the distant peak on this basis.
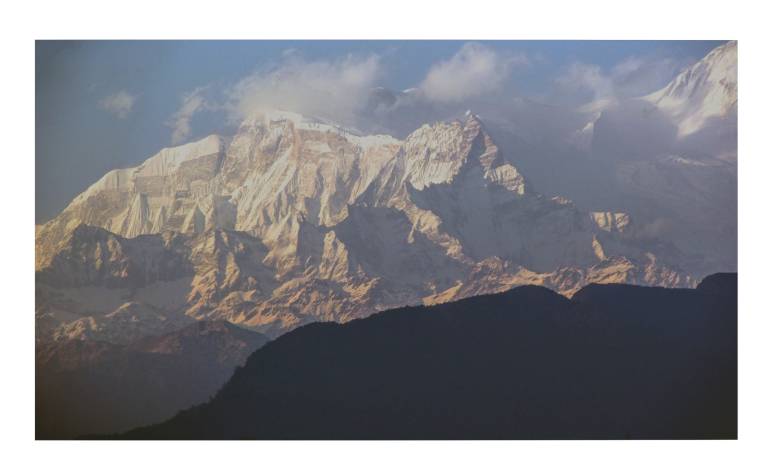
(471, 116)
(707, 89)
(472, 119)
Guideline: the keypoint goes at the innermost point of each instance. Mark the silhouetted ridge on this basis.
(719, 283)
(614, 362)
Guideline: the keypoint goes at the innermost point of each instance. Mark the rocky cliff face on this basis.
(296, 220)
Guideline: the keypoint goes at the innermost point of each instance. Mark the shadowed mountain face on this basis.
(88, 386)
(615, 361)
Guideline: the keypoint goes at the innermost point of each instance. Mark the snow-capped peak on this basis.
(319, 124)
(705, 90)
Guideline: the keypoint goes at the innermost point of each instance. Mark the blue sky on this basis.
(101, 105)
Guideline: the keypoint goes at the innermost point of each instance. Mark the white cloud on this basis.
(191, 103)
(120, 104)
(640, 76)
(473, 71)
(587, 81)
(335, 89)
(633, 77)
(343, 89)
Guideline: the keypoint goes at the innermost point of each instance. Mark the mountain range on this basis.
(296, 220)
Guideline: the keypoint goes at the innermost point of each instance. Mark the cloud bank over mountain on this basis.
(348, 89)
(337, 88)
(475, 70)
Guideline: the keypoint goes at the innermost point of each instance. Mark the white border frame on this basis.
(398, 19)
